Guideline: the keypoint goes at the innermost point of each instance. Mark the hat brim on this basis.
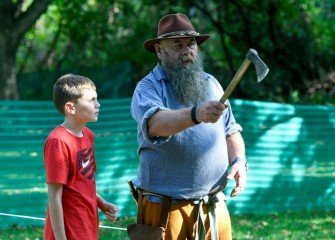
(150, 44)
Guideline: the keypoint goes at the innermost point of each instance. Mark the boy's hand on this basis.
(110, 211)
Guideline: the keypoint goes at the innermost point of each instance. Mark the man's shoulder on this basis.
(156, 74)
(208, 76)
(153, 80)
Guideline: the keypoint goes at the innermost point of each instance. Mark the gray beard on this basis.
(188, 82)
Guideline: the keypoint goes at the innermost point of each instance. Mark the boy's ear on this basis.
(69, 108)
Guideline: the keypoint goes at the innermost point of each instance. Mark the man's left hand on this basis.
(238, 172)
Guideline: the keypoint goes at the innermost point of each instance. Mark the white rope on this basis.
(21, 216)
(43, 219)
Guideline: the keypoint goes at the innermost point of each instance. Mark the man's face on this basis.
(182, 63)
(177, 52)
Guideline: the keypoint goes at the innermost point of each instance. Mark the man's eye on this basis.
(178, 46)
(192, 44)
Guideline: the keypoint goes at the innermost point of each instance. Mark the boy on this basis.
(70, 164)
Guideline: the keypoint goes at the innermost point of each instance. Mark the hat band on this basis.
(179, 33)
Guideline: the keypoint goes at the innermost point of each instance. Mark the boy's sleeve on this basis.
(56, 161)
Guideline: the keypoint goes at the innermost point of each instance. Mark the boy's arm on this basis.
(55, 191)
(109, 209)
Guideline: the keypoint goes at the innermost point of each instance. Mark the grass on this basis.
(282, 226)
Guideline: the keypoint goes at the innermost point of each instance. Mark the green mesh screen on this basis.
(290, 148)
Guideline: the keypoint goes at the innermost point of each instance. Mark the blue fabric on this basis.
(189, 164)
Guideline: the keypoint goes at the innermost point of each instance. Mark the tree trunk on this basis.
(8, 83)
(15, 21)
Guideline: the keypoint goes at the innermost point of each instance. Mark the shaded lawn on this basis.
(290, 225)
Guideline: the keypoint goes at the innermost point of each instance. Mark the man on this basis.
(187, 138)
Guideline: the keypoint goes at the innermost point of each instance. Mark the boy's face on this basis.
(87, 107)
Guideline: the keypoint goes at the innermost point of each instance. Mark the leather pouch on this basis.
(144, 232)
(140, 231)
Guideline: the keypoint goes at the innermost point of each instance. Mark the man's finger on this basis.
(231, 174)
(236, 191)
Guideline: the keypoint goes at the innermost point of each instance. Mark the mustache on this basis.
(187, 58)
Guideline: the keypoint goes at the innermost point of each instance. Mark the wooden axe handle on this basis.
(235, 81)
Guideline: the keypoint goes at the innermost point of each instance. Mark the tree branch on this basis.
(25, 20)
(217, 24)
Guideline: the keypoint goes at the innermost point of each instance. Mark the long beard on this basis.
(188, 82)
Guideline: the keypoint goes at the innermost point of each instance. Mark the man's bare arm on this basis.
(237, 160)
(170, 122)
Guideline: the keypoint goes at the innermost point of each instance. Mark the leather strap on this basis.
(164, 213)
(139, 207)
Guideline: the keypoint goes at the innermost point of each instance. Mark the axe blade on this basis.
(261, 69)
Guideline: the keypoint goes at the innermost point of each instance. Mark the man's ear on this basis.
(69, 108)
(158, 49)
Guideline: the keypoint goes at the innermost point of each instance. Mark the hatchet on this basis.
(261, 71)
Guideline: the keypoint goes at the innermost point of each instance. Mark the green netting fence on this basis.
(290, 148)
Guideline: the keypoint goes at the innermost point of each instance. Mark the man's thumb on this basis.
(231, 174)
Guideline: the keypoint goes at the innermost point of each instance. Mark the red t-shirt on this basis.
(70, 160)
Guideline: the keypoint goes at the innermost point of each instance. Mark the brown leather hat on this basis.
(174, 26)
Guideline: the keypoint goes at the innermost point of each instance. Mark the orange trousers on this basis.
(182, 220)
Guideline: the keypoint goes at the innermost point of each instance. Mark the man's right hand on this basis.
(210, 112)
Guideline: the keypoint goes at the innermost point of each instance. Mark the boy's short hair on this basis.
(69, 88)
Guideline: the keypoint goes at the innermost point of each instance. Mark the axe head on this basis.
(261, 68)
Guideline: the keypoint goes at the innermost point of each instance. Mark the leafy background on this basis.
(293, 37)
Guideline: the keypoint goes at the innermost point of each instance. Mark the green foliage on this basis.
(112, 81)
(293, 37)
